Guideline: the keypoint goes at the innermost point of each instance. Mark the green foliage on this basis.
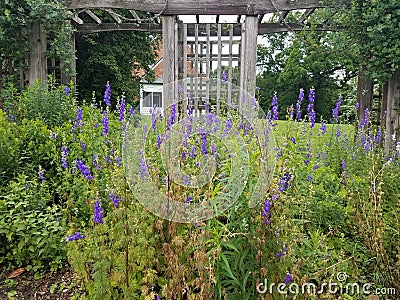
(374, 27)
(48, 103)
(115, 57)
(16, 17)
(305, 60)
(31, 232)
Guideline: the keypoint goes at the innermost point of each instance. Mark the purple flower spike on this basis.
(274, 108)
(310, 108)
(288, 278)
(107, 94)
(298, 105)
(98, 212)
(64, 157)
(335, 111)
(105, 123)
(122, 109)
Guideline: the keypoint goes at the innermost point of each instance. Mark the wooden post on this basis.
(249, 57)
(392, 110)
(37, 57)
(168, 25)
(364, 94)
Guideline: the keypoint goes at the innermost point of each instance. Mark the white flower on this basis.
(398, 147)
(394, 137)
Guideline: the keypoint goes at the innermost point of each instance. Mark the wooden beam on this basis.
(364, 94)
(250, 57)
(93, 28)
(93, 16)
(114, 15)
(168, 34)
(306, 14)
(135, 15)
(263, 28)
(204, 7)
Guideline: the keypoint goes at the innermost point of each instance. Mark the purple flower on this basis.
(172, 117)
(357, 105)
(180, 88)
(85, 171)
(335, 111)
(41, 173)
(298, 105)
(224, 78)
(310, 108)
(96, 162)
(293, 140)
(75, 236)
(64, 157)
(98, 212)
(83, 145)
(79, 117)
(122, 109)
(364, 122)
(266, 212)
(283, 183)
(274, 108)
(67, 91)
(159, 140)
(104, 121)
(115, 199)
(322, 129)
(309, 178)
(131, 111)
(53, 135)
(228, 126)
(118, 161)
(108, 159)
(189, 199)
(153, 112)
(144, 171)
(288, 278)
(344, 166)
(204, 150)
(107, 94)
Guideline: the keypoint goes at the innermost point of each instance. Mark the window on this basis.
(152, 98)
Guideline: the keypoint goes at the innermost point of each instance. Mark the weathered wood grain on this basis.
(204, 7)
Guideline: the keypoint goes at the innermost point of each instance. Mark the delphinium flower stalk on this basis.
(96, 161)
(85, 171)
(274, 109)
(204, 150)
(322, 129)
(335, 111)
(224, 77)
(98, 211)
(153, 112)
(310, 108)
(41, 174)
(122, 109)
(104, 121)
(116, 200)
(64, 157)
(79, 117)
(107, 94)
(298, 105)
(172, 117)
(75, 236)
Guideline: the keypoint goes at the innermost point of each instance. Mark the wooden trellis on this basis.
(180, 53)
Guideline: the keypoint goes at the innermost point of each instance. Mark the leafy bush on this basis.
(31, 231)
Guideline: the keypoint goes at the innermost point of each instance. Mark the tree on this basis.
(113, 57)
(309, 59)
(16, 19)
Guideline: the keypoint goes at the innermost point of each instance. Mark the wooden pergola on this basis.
(205, 41)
